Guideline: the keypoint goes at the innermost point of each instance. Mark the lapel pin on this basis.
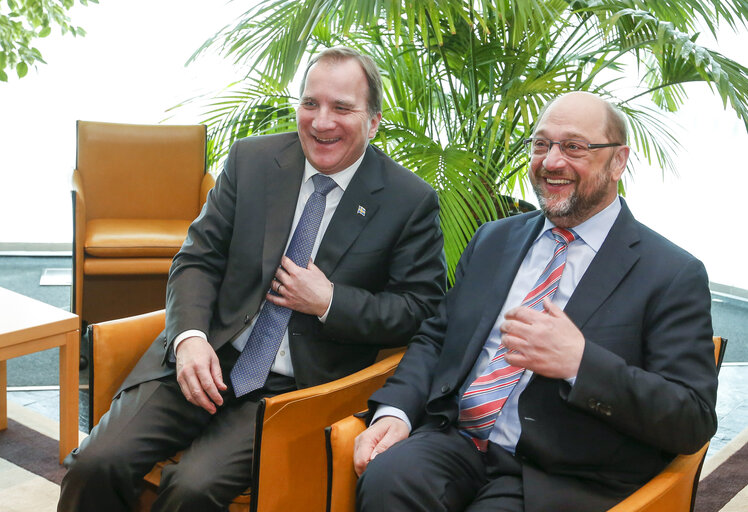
(361, 211)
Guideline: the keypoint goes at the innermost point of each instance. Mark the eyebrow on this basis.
(342, 103)
(570, 136)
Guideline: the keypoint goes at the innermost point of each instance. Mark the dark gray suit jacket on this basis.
(646, 387)
(387, 265)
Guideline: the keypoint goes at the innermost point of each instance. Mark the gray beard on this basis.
(575, 208)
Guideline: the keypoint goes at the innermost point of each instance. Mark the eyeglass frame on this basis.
(527, 142)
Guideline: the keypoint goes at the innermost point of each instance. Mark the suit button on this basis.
(605, 409)
(593, 404)
(446, 388)
(247, 319)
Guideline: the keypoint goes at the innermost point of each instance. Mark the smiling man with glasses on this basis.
(570, 362)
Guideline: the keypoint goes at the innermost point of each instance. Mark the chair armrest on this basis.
(290, 461)
(672, 490)
(341, 477)
(79, 236)
(115, 348)
(208, 183)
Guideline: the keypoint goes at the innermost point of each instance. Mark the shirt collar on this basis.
(594, 230)
(341, 178)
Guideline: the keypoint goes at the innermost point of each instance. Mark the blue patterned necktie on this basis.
(484, 398)
(253, 366)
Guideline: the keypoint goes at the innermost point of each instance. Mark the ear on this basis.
(618, 164)
(374, 124)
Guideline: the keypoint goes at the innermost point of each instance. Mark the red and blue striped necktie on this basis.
(484, 398)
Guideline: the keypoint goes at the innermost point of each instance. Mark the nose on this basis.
(555, 158)
(323, 119)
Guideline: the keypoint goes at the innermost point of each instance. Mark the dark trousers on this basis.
(153, 421)
(441, 471)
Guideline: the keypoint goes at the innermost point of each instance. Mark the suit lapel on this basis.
(500, 266)
(611, 264)
(356, 208)
(282, 192)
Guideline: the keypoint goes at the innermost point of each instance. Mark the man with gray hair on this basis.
(313, 252)
(570, 362)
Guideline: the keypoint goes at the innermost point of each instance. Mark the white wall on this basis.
(130, 68)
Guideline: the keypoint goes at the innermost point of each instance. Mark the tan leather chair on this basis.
(136, 189)
(672, 490)
(289, 466)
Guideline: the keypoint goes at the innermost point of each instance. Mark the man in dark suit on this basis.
(371, 228)
(508, 400)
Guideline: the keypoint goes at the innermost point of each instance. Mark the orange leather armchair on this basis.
(289, 467)
(672, 490)
(136, 189)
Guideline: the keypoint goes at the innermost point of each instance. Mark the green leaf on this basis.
(464, 81)
(45, 31)
(21, 69)
(3, 76)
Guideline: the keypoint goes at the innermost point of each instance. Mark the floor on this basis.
(32, 379)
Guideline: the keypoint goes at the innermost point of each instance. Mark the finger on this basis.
(209, 386)
(184, 387)
(279, 300)
(517, 329)
(215, 371)
(552, 309)
(281, 275)
(288, 265)
(517, 359)
(363, 448)
(195, 394)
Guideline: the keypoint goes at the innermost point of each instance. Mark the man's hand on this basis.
(548, 344)
(199, 374)
(376, 439)
(306, 290)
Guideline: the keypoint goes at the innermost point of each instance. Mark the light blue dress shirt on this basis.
(592, 234)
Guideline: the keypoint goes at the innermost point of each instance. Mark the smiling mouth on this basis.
(326, 141)
(557, 181)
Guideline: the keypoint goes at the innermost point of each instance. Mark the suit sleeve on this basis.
(198, 268)
(669, 401)
(415, 284)
(410, 386)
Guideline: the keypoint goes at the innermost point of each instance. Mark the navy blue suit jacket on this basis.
(646, 387)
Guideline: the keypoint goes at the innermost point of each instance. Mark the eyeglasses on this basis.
(540, 146)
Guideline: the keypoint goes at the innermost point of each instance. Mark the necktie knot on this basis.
(564, 236)
(323, 184)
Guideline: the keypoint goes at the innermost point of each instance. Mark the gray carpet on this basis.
(21, 274)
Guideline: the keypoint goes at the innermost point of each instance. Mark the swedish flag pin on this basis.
(361, 211)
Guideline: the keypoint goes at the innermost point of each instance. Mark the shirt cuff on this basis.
(323, 318)
(388, 410)
(187, 334)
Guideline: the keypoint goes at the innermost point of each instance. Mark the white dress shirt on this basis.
(592, 234)
(282, 363)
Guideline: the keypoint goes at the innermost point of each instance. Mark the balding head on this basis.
(597, 110)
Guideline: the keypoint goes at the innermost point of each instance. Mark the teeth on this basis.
(327, 140)
(558, 182)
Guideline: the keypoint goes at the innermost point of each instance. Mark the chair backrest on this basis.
(131, 171)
